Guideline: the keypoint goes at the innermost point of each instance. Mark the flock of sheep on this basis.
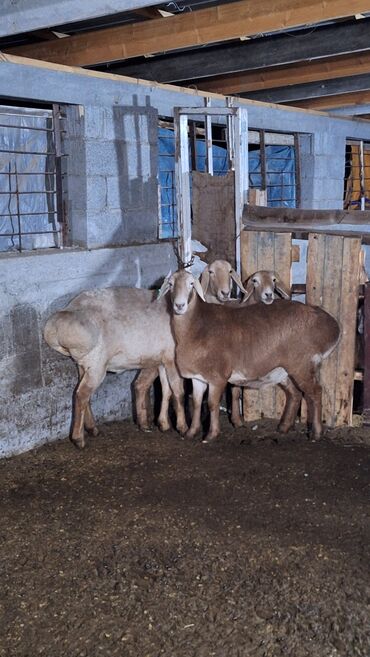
(193, 329)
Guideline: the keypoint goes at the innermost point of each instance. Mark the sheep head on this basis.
(217, 279)
(263, 285)
(182, 285)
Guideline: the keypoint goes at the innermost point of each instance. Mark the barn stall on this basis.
(145, 543)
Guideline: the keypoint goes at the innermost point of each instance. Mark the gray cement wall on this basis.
(111, 176)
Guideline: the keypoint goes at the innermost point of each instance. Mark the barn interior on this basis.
(135, 135)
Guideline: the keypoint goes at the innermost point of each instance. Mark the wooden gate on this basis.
(332, 282)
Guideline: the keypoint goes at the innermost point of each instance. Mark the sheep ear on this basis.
(199, 289)
(238, 281)
(248, 289)
(165, 286)
(204, 279)
(281, 289)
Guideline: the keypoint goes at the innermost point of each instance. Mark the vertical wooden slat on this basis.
(263, 250)
(348, 317)
(366, 411)
(332, 283)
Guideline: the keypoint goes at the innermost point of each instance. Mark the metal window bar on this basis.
(265, 177)
(356, 181)
(236, 119)
(25, 218)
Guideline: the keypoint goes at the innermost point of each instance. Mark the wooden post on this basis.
(366, 411)
(261, 250)
(333, 268)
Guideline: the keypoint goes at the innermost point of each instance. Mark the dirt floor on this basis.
(145, 545)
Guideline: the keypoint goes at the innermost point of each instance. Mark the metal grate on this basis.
(357, 176)
(30, 179)
(274, 167)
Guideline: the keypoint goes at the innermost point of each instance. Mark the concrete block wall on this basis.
(112, 202)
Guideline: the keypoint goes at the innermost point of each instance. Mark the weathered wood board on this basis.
(333, 271)
(262, 250)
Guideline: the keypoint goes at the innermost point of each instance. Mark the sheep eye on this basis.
(191, 284)
(274, 280)
(231, 271)
(254, 280)
(211, 272)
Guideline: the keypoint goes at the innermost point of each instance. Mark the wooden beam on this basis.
(278, 49)
(331, 102)
(321, 69)
(305, 217)
(312, 89)
(230, 21)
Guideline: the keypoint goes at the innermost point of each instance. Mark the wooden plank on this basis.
(303, 72)
(338, 100)
(275, 50)
(306, 218)
(325, 87)
(333, 265)
(265, 251)
(283, 266)
(348, 319)
(211, 25)
(249, 243)
(366, 410)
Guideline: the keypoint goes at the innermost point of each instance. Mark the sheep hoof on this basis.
(164, 427)
(93, 431)
(145, 428)
(284, 428)
(238, 424)
(182, 430)
(190, 434)
(78, 442)
(209, 439)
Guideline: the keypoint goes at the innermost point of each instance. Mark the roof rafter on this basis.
(328, 69)
(211, 25)
(298, 92)
(279, 49)
(330, 102)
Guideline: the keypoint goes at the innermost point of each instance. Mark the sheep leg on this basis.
(236, 418)
(163, 419)
(86, 387)
(312, 391)
(199, 388)
(141, 387)
(214, 397)
(177, 386)
(293, 400)
(89, 420)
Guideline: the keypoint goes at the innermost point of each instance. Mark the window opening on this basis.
(357, 176)
(273, 165)
(31, 208)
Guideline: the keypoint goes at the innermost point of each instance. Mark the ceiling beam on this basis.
(211, 25)
(279, 49)
(280, 76)
(332, 102)
(18, 16)
(311, 89)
